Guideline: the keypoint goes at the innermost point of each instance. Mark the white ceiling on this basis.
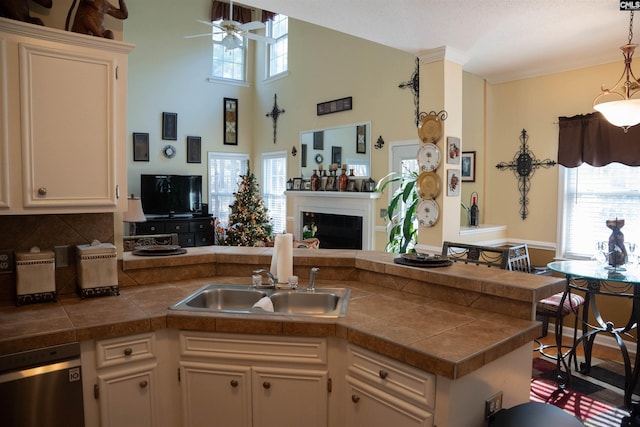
(500, 40)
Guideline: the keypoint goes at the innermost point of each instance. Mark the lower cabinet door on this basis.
(289, 397)
(370, 407)
(128, 397)
(215, 395)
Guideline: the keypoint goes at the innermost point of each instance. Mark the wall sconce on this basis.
(133, 214)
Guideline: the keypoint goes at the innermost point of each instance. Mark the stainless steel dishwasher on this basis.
(42, 388)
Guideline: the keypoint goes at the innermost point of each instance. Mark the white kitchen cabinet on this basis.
(65, 139)
(384, 392)
(258, 381)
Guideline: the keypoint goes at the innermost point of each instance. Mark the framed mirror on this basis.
(348, 144)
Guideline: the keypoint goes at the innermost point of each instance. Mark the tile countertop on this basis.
(405, 316)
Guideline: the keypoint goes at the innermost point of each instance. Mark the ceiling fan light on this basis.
(231, 41)
(624, 113)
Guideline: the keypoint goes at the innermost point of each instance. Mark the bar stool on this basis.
(534, 414)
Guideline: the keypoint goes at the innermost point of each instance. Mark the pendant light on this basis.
(622, 110)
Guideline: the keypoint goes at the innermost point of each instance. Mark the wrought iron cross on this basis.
(523, 165)
(274, 114)
(414, 84)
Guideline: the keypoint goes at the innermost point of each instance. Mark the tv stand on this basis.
(192, 231)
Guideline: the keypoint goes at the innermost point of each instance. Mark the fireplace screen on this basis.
(333, 231)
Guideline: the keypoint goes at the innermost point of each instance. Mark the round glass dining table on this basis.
(596, 279)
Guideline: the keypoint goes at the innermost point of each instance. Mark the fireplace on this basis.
(335, 231)
(349, 204)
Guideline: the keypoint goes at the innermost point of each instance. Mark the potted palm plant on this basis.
(402, 226)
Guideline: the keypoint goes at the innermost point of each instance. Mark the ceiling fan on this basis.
(234, 32)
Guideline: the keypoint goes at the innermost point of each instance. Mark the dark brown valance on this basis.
(590, 138)
(220, 10)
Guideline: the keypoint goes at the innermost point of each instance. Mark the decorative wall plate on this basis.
(428, 157)
(169, 151)
(430, 129)
(428, 185)
(428, 213)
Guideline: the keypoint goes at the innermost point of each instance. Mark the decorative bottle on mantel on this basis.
(474, 211)
(315, 181)
(344, 179)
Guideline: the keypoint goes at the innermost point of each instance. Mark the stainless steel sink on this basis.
(322, 302)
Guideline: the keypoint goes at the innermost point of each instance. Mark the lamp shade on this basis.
(134, 211)
(231, 41)
(625, 113)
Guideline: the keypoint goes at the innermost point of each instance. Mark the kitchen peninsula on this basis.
(468, 326)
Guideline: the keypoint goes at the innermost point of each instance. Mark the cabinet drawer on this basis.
(203, 239)
(150, 227)
(177, 226)
(117, 351)
(392, 376)
(254, 348)
(200, 226)
(187, 240)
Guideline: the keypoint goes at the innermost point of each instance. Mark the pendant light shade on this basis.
(617, 104)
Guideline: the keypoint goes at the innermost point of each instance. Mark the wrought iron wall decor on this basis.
(414, 84)
(379, 143)
(274, 114)
(523, 165)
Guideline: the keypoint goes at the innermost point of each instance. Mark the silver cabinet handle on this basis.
(266, 385)
(234, 383)
(128, 351)
(143, 384)
(383, 374)
(355, 398)
(42, 191)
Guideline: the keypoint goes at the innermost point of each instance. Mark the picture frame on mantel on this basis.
(194, 149)
(468, 166)
(170, 126)
(230, 121)
(140, 147)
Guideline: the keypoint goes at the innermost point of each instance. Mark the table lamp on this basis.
(133, 214)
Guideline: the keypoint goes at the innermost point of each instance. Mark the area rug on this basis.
(595, 402)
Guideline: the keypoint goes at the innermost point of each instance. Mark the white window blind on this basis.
(274, 179)
(225, 170)
(590, 196)
(278, 52)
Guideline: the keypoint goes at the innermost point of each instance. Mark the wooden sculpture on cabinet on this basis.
(89, 18)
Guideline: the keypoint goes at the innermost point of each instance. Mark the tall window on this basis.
(228, 64)
(278, 52)
(224, 176)
(590, 196)
(274, 181)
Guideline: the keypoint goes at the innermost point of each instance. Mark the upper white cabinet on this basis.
(64, 107)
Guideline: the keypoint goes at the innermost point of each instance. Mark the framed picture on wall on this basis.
(230, 121)
(361, 139)
(453, 150)
(336, 156)
(170, 126)
(303, 155)
(468, 163)
(194, 149)
(318, 140)
(453, 182)
(140, 147)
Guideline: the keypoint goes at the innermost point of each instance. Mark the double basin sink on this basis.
(321, 302)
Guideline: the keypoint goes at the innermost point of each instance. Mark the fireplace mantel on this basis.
(339, 203)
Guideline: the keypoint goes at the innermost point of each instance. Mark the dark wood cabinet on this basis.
(194, 231)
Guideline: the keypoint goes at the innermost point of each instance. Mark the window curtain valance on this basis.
(589, 138)
(220, 10)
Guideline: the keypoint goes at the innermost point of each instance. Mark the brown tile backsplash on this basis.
(22, 232)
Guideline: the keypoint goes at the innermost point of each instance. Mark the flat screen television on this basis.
(171, 195)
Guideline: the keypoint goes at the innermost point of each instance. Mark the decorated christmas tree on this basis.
(248, 221)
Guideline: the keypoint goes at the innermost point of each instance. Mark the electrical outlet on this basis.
(383, 213)
(6, 261)
(493, 404)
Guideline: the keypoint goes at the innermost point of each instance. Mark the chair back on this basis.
(475, 254)
(518, 259)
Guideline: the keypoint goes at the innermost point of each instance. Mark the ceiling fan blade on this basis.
(260, 38)
(197, 35)
(210, 23)
(253, 25)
